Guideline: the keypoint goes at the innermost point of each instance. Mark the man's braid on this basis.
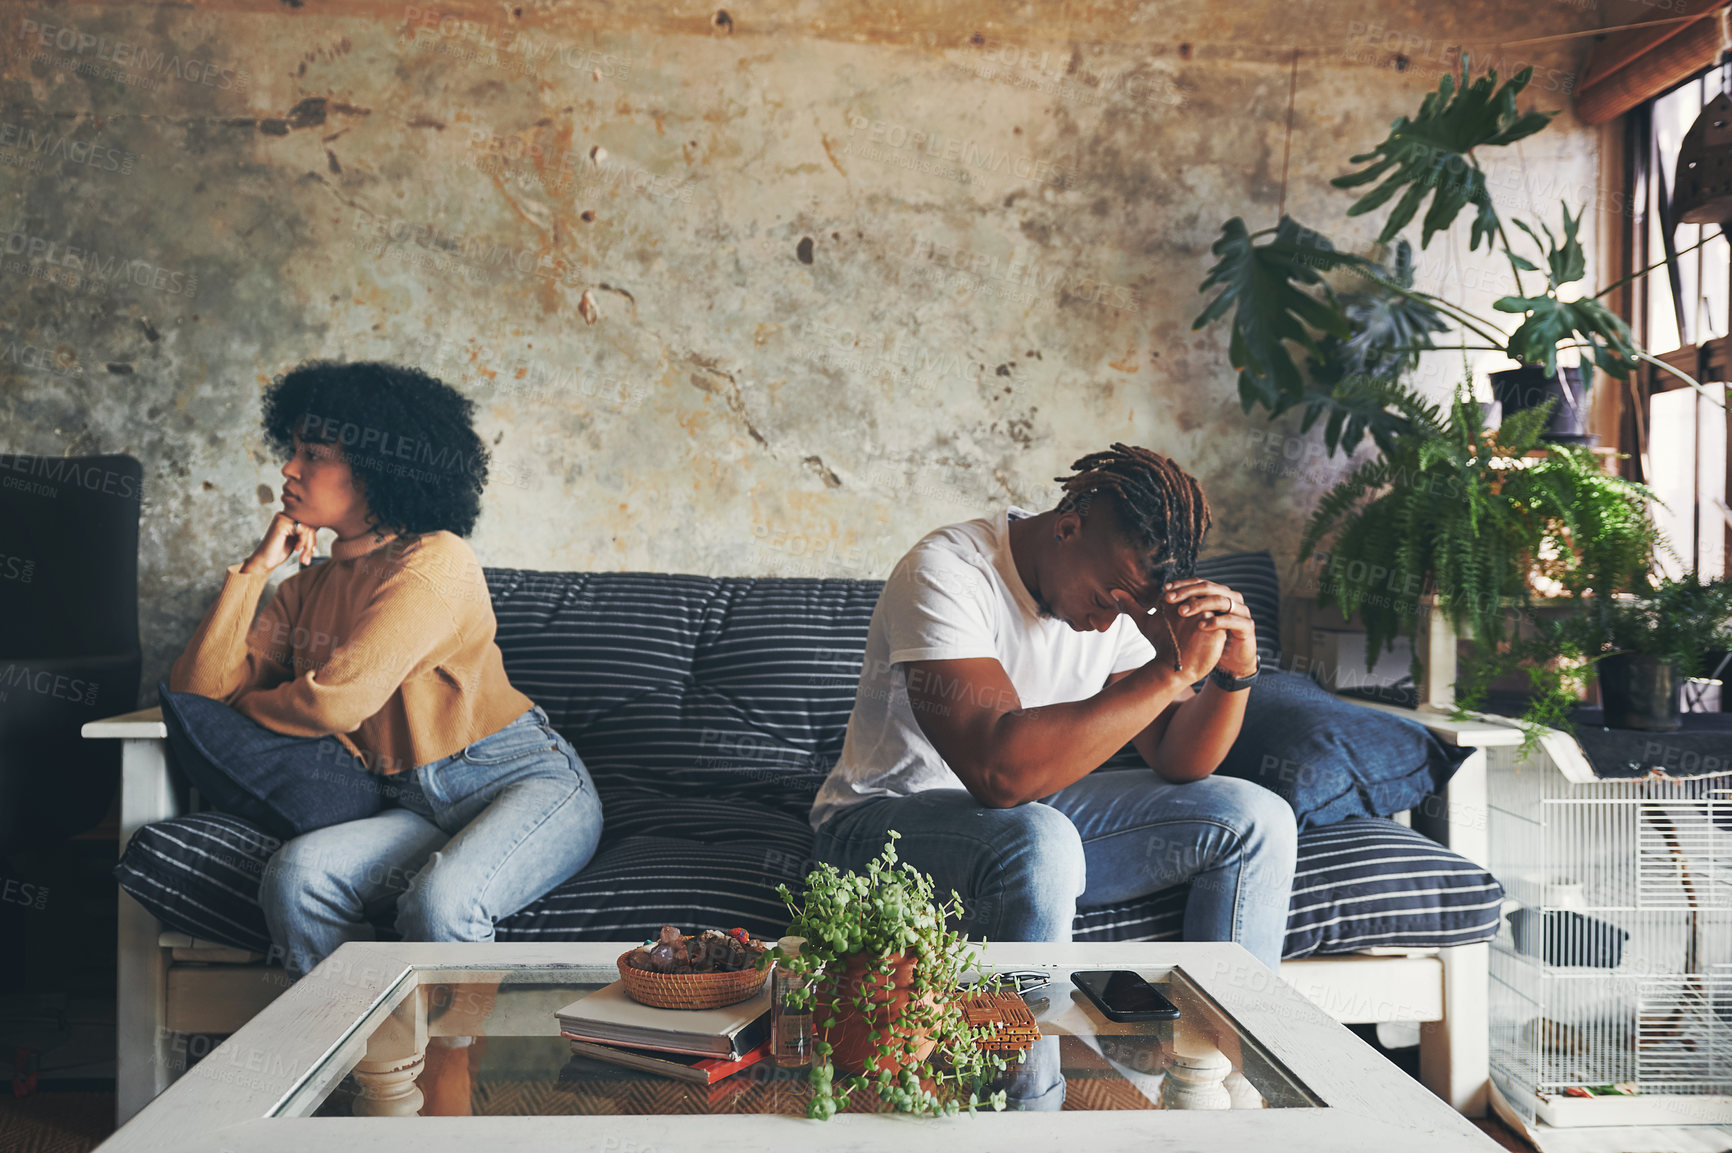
(1161, 507)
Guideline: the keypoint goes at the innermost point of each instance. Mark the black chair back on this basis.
(69, 650)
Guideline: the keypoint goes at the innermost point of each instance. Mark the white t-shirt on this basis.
(957, 594)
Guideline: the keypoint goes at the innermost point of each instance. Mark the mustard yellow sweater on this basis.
(390, 650)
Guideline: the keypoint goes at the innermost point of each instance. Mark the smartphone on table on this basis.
(1124, 996)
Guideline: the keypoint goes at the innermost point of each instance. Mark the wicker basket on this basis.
(689, 990)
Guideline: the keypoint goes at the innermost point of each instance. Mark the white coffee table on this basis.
(350, 1039)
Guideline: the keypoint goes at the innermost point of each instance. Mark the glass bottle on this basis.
(790, 1026)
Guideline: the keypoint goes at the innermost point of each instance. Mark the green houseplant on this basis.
(1447, 508)
(882, 970)
(1469, 516)
(1643, 645)
(1297, 340)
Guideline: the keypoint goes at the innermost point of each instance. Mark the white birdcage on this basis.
(1611, 975)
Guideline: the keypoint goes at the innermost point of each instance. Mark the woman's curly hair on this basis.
(409, 439)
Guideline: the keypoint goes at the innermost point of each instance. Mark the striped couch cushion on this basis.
(719, 687)
(200, 873)
(1360, 883)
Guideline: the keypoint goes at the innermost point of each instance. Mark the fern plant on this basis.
(1468, 515)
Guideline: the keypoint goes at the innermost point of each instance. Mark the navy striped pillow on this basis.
(699, 686)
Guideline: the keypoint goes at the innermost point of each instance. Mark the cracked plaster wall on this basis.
(857, 270)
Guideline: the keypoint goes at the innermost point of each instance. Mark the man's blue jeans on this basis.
(471, 838)
(1112, 837)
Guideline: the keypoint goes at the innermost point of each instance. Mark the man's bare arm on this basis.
(1148, 742)
(1005, 754)
(1191, 738)
(1203, 729)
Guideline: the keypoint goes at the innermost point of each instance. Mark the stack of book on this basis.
(698, 1045)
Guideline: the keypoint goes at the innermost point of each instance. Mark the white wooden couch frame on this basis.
(172, 986)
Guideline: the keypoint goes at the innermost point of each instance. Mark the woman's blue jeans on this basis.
(466, 840)
(1110, 838)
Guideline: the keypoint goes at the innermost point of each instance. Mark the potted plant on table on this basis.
(882, 971)
(1644, 646)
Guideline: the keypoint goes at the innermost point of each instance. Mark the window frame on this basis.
(1708, 360)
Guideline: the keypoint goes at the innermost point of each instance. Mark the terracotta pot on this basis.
(850, 1040)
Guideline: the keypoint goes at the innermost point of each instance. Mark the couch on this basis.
(708, 710)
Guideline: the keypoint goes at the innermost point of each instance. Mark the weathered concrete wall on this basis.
(860, 270)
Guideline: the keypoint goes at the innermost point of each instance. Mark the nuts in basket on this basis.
(711, 951)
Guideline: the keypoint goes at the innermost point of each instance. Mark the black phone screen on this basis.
(1121, 993)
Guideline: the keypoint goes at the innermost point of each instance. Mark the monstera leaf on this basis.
(1389, 328)
(1341, 351)
(1277, 296)
(1430, 154)
(1552, 321)
(1356, 406)
(1387, 331)
(1566, 263)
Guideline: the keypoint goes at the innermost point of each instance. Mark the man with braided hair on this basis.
(1007, 660)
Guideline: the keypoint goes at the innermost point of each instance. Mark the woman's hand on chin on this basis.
(283, 539)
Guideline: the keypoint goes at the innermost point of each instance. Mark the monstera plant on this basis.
(1312, 324)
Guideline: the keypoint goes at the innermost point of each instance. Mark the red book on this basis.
(684, 1067)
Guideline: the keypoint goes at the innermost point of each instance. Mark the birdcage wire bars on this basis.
(1611, 975)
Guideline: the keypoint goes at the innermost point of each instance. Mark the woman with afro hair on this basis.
(388, 646)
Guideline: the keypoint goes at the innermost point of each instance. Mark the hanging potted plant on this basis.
(881, 972)
(1517, 389)
(1299, 341)
(1645, 646)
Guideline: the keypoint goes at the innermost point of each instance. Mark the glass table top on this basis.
(488, 1044)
